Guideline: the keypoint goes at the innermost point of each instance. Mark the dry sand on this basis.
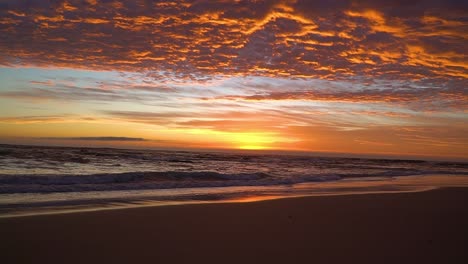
(425, 227)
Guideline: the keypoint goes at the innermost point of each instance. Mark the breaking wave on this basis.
(170, 179)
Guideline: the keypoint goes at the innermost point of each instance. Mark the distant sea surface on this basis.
(38, 180)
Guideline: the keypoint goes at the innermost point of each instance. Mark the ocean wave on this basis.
(169, 179)
(140, 180)
(126, 177)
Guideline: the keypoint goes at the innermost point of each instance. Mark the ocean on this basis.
(42, 180)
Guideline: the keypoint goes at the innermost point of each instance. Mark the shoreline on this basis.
(428, 226)
(344, 187)
(149, 204)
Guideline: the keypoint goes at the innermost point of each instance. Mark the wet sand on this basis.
(425, 227)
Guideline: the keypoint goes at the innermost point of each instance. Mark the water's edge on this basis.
(355, 186)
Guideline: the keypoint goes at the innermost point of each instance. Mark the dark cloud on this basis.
(46, 119)
(417, 98)
(97, 138)
(99, 91)
(148, 115)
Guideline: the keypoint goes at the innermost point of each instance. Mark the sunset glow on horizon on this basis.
(341, 76)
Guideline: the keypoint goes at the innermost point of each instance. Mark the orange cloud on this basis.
(232, 38)
(286, 67)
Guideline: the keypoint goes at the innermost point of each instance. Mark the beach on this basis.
(418, 227)
(238, 132)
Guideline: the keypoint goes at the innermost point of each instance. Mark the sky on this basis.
(384, 77)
